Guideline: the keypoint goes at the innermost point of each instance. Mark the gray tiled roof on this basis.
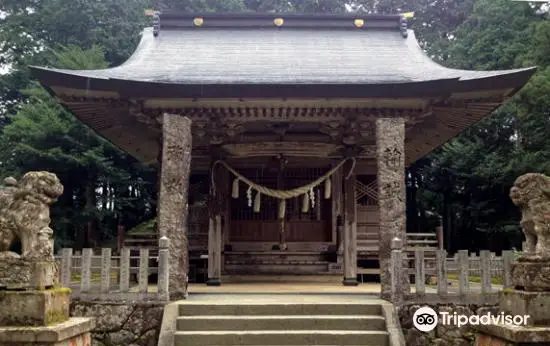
(287, 56)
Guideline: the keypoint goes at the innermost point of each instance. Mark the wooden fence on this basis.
(463, 278)
(125, 276)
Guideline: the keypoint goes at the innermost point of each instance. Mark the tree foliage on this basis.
(471, 175)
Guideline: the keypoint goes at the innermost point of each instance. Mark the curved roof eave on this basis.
(281, 63)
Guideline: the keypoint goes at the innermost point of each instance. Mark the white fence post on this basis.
(143, 274)
(485, 261)
(463, 272)
(442, 283)
(124, 270)
(105, 270)
(396, 261)
(163, 269)
(66, 266)
(420, 268)
(86, 270)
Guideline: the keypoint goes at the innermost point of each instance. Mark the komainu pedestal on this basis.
(34, 310)
(531, 272)
(19, 273)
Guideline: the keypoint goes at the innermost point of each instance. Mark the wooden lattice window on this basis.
(366, 190)
(197, 218)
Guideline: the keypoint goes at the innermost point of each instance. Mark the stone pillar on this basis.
(172, 201)
(390, 155)
(350, 227)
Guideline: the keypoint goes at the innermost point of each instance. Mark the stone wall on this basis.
(442, 335)
(122, 323)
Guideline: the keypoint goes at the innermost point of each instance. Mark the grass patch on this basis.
(146, 227)
(496, 280)
(94, 277)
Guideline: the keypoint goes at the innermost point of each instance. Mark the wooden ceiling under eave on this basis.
(137, 131)
(445, 123)
(114, 122)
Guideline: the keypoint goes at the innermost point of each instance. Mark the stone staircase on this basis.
(275, 263)
(285, 322)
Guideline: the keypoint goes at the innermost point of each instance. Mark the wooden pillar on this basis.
(390, 153)
(215, 228)
(281, 220)
(226, 215)
(337, 226)
(350, 227)
(172, 201)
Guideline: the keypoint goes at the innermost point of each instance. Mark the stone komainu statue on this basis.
(25, 214)
(531, 193)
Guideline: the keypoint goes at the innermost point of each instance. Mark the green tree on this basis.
(468, 179)
(29, 28)
(101, 183)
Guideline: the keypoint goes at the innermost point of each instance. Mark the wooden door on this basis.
(312, 226)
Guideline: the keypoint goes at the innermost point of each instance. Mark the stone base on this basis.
(34, 308)
(213, 282)
(501, 335)
(350, 282)
(534, 304)
(19, 273)
(531, 274)
(74, 332)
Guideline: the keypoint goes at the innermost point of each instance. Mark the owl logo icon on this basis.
(425, 319)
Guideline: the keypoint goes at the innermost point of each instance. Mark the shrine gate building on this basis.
(283, 138)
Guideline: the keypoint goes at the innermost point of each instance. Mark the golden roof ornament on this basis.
(198, 21)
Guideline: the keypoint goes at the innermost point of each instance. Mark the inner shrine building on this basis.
(282, 139)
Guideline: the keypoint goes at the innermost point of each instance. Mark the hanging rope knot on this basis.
(307, 191)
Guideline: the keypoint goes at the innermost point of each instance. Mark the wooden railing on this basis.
(465, 278)
(368, 240)
(102, 276)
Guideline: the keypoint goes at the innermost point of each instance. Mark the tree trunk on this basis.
(91, 227)
(447, 220)
(412, 207)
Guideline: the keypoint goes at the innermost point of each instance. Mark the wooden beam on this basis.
(416, 103)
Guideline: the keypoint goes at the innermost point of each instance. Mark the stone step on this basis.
(285, 278)
(280, 322)
(276, 269)
(281, 338)
(273, 256)
(278, 309)
(260, 261)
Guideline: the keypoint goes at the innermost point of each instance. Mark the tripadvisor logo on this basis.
(426, 319)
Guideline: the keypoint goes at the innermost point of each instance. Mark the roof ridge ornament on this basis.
(403, 26)
(198, 21)
(156, 23)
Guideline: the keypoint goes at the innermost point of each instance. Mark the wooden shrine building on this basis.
(283, 139)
